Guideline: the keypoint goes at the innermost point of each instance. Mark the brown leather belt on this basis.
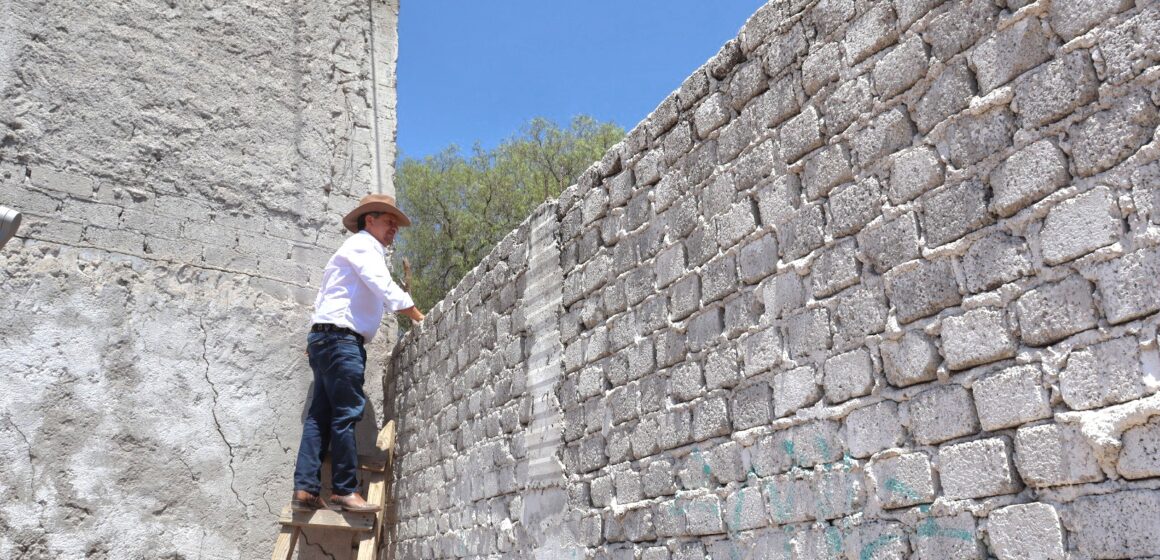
(327, 327)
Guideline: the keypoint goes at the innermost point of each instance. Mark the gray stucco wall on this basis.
(182, 167)
(880, 280)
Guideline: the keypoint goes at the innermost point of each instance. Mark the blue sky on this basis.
(479, 69)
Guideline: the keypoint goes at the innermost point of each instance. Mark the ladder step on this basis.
(373, 463)
(328, 518)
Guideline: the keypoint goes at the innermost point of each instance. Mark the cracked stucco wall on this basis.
(879, 280)
(181, 167)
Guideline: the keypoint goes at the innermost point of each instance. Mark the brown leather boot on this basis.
(353, 502)
(305, 501)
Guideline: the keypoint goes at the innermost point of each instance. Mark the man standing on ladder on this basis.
(356, 289)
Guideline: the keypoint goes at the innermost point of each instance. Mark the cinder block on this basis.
(747, 81)
(761, 351)
(628, 487)
(1121, 48)
(1056, 90)
(885, 134)
(725, 463)
(1108, 137)
(938, 538)
(670, 265)
(794, 389)
(858, 312)
(909, 11)
(777, 199)
(705, 328)
(953, 211)
(853, 206)
(871, 32)
(818, 442)
(1072, 18)
(719, 278)
(838, 492)
(770, 456)
(828, 15)
(1026, 531)
(960, 27)
(903, 480)
(592, 453)
(752, 406)
(1011, 397)
(942, 413)
(735, 224)
(674, 428)
(923, 289)
(686, 297)
(758, 259)
(914, 171)
(835, 268)
(808, 332)
(600, 491)
(676, 143)
(825, 169)
(1140, 455)
(1027, 176)
(63, 181)
(703, 515)
(1080, 225)
(912, 359)
(973, 138)
(1052, 312)
(669, 519)
(977, 469)
(783, 294)
(624, 403)
(789, 499)
(821, 67)
(685, 381)
(801, 134)
(851, 99)
(711, 418)
(887, 244)
(745, 509)
(848, 375)
(657, 479)
(722, 367)
(1055, 455)
(784, 48)
(995, 260)
(948, 94)
(1010, 52)
(1129, 284)
(976, 337)
(1121, 524)
(710, 115)
(741, 314)
(900, 68)
(1103, 374)
(643, 439)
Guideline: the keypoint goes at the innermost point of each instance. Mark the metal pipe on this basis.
(9, 223)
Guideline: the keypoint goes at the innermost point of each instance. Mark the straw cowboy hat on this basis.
(374, 203)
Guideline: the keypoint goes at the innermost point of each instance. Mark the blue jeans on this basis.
(338, 361)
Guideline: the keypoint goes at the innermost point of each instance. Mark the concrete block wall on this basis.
(881, 279)
(182, 168)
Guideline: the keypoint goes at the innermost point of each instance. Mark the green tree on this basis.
(461, 205)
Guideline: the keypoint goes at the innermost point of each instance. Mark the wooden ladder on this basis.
(367, 530)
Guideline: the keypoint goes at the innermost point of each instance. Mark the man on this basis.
(356, 288)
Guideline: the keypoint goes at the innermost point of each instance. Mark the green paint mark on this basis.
(870, 550)
(834, 539)
(896, 486)
(931, 528)
(781, 506)
(788, 445)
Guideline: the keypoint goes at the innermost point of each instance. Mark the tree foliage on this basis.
(461, 205)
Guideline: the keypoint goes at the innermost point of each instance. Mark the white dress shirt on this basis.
(357, 287)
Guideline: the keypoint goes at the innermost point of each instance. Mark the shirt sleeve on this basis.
(371, 268)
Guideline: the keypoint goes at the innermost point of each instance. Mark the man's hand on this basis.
(414, 314)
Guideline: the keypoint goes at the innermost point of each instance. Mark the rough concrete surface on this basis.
(912, 312)
(181, 167)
